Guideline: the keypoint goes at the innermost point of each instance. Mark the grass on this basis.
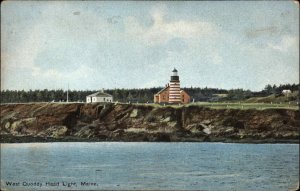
(243, 105)
(219, 105)
(235, 105)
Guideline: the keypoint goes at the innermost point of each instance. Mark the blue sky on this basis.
(100, 44)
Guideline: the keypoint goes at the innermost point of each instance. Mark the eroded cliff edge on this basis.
(41, 122)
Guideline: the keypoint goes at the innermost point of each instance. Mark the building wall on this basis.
(185, 98)
(102, 99)
(174, 92)
(162, 97)
(98, 99)
(109, 99)
(88, 100)
(156, 98)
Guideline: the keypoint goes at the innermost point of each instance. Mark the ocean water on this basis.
(149, 166)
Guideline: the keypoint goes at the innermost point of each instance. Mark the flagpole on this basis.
(68, 93)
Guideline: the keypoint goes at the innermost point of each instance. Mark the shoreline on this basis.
(30, 139)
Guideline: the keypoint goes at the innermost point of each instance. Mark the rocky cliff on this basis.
(122, 122)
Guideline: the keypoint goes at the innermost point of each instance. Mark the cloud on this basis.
(286, 43)
(161, 31)
(80, 73)
(57, 31)
(253, 33)
(89, 46)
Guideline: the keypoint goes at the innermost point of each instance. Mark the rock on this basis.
(160, 137)
(118, 132)
(150, 118)
(207, 131)
(172, 124)
(19, 125)
(123, 122)
(229, 130)
(55, 131)
(7, 125)
(167, 119)
(203, 125)
(135, 130)
(206, 122)
(153, 124)
(194, 128)
(95, 122)
(8, 116)
(86, 131)
(111, 126)
(106, 109)
(134, 113)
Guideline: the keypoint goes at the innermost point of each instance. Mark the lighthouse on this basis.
(174, 92)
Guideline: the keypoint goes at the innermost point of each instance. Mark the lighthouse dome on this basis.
(174, 76)
(174, 72)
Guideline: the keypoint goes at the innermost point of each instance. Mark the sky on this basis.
(136, 44)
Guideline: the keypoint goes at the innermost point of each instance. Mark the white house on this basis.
(99, 97)
(286, 92)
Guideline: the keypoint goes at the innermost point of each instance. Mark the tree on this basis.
(268, 89)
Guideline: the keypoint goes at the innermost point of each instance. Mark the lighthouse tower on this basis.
(174, 93)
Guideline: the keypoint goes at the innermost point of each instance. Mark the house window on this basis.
(103, 99)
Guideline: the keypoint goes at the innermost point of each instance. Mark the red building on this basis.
(172, 92)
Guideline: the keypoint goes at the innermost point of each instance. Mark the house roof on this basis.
(162, 90)
(174, 70)
(99, 94)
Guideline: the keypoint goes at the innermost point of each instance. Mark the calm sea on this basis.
(135, 166)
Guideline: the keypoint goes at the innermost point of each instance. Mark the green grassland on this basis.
(245, 105)
(290, 98)
(237, 105)
(260, 103)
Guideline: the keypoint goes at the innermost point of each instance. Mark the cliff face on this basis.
(98, 122)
